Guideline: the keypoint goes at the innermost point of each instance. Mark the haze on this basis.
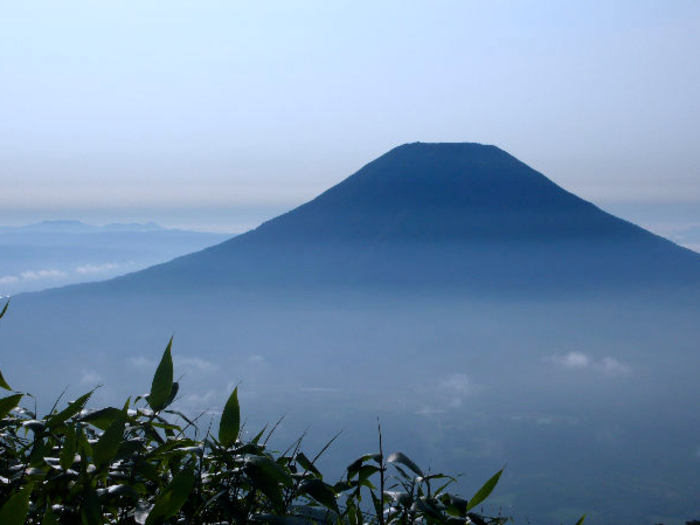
(218, 115)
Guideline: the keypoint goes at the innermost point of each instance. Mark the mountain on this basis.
(464, 216)
(61, 252)
(486, 315)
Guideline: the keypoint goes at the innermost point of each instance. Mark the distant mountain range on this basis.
(70, 226)
(60, 252)
(467, 216)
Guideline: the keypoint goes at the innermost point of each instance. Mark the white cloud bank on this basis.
(53, 274)
(580, 361)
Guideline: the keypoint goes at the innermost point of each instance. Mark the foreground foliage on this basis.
(144, 463)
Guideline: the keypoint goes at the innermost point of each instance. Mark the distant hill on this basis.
(60, 252)
(449, 215)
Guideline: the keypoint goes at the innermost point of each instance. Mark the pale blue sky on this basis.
(221, 113)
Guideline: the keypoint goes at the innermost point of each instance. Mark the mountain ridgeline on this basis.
(465, 216)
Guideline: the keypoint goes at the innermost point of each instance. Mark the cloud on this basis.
(90, 376)
(454, 388)
(96, 268)
(612, 366)
(572, 360)
(195, 362)
(580, 361)
(256, 360)
(42, 274)
(33, 275)
(457, 383)
(142, 363)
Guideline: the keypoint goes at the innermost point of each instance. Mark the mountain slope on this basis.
(447, 215)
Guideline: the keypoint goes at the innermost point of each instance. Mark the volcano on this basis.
(464, 216)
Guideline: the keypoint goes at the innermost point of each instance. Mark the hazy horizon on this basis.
(222, 115)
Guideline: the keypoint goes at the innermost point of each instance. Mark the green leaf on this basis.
(266, 476)
(4, 309)
(90, 508)
(162, 380)
(49, 517)
(307, 465)
(14, 512)
(581, 520)
(173, 497)
(484, 491)
(8, 403)
(68, 412)
(399, 457)
(269, 469)
(70, 445)
(3, 383)
(321, 492)
(102, 418)
(108, 445)
(230, 424)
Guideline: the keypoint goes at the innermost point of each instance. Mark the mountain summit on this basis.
(456, 215)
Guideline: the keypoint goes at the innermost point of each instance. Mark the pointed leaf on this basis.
(230, 424)
(321, 492)
(14, 512)
(68, 412)
(400, 457)
(108, 445)
(70, 445)
(90, 508)
(102, 418)
(3, 383)
(162, 380)
(581, 520)
(307, 465)
(269, 469)
(49, 517)
(173, 497)
(8, 403)
(4, 309)
(484, 491)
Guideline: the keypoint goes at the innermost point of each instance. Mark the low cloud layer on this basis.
(52, 276)
(580, 361)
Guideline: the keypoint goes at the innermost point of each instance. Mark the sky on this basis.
(218, 114)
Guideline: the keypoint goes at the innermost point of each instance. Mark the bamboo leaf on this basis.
(3, 383)
(108, 445)
(70, 446)
(173, 498)
(321, 492)
(8, 403)
(68, 412)
(484, 491)
(14, 512)
(102, 418)
(162, 384)
(230, 424)
(49, 517)
(400, 457)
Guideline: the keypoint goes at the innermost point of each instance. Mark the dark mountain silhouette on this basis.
(457, 215)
